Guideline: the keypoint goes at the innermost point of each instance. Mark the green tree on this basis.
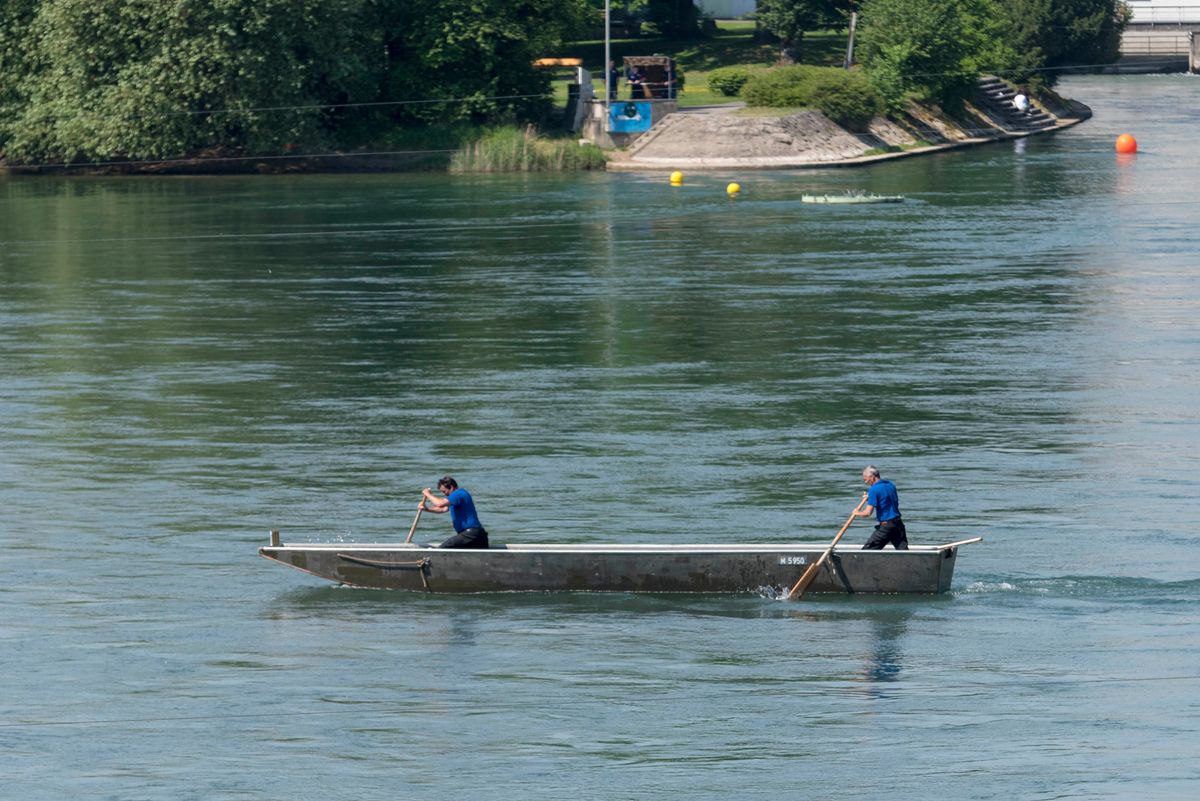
(162, 78)
(86, 80)
(471, 60)
(1022, 25)
(1046, 36)
(675, 18)
(16, 17)
(787, 20)
(679, 19)
(927, 50)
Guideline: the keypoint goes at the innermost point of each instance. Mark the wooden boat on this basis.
(742, 568)
(852, 198)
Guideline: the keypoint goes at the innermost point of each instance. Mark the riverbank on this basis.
(728, 137)
(494, 149)
(698, 138)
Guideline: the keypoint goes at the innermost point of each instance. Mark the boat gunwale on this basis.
(613, 548)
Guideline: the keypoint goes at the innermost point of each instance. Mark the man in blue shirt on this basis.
(468, 531)
(884, 503)
(635, 81)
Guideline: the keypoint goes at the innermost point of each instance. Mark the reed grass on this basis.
(514, 149)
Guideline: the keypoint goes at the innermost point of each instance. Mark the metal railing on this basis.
(1146, 13)
(1135, 43)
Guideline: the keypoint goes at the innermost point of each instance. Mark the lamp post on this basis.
(850, 43)
(607, 61)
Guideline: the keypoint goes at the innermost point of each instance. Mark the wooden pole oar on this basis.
(416, 519)
(810, 573)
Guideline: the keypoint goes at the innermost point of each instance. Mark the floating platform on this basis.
(851, 199)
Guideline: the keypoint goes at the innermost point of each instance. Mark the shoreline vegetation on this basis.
(732, 62)
(510, 149)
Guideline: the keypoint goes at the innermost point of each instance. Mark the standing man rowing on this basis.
(884, 503)
(468, 531)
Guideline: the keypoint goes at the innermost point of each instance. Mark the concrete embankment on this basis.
(726, 137)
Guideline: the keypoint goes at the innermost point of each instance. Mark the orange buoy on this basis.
(1126, 144)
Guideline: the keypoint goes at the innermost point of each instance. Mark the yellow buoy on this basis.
(734, 188)
(676, 178)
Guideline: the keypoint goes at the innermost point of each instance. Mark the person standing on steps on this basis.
(884, 503)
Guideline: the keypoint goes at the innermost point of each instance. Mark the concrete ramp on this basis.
(729, 140)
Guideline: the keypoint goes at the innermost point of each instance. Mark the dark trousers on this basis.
(888, 531)
(467, 538)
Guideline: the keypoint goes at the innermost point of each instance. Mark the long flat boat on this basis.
(734, 568)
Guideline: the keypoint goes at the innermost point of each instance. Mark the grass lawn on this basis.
(732, 43)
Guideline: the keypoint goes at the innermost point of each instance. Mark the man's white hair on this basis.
(871, 470)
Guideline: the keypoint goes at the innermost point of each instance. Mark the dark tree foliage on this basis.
(162, 78)
(1049, 37)
(787, 20)
(935, 49)
(473, 57)
(152, 79)
(675, 18)
(16, 16)
(923, 49)
(1022, 28)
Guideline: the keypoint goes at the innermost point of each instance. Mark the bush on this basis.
(512, 149)
(728, 80)
(844, 97)
(928, 51)
(781, 87)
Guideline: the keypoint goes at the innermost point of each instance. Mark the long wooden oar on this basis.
(416, 519)
(810, 573)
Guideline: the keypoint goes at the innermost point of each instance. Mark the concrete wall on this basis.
(1158, 49)
(1145, 12)
(595, 126)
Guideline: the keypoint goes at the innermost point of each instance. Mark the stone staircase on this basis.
(994, 98)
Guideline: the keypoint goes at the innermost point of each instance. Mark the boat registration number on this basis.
(793, 560)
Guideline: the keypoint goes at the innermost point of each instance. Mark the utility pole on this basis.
(607, 61)
(850, 44)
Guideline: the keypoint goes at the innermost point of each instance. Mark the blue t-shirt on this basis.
(883, 497)
(462, 510)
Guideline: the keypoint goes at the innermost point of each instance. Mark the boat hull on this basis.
(750, 568)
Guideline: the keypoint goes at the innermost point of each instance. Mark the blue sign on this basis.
(632, 116)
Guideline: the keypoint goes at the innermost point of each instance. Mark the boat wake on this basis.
(1110, 588)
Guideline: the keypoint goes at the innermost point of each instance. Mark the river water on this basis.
(186, 363)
